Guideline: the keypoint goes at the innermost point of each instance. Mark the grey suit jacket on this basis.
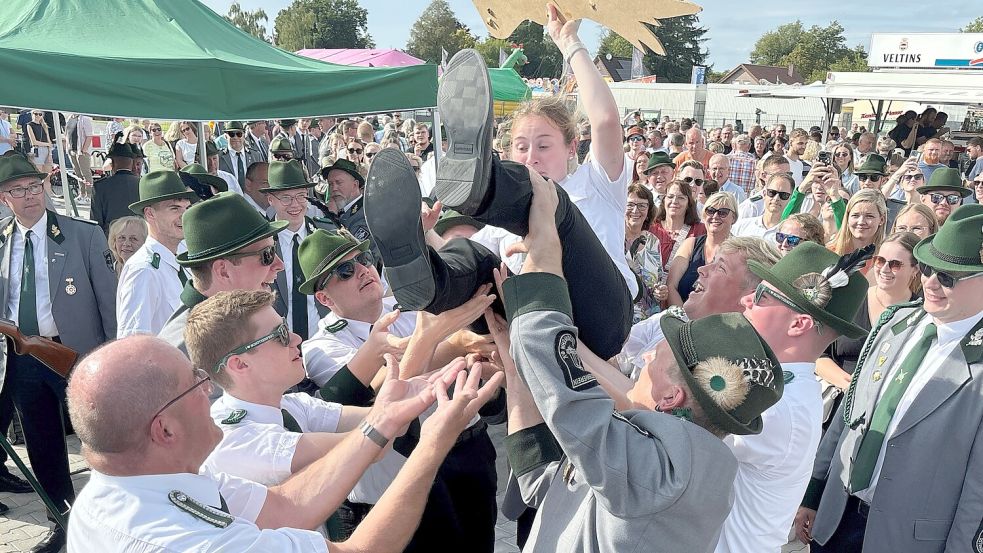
(929, 497)
(260, 148)
(79, 261)
(226, 163)
(281, 287)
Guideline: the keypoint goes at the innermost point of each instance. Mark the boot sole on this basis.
(392, 213)
(464, 101)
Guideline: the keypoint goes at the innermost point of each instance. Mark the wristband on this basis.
(572, 49)
(371, 433)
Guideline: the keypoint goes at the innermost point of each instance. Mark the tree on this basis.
(976, 26)
(322, 24)
(438, 29)
(613, 43)
(813, 51)
(682, 38)
(490, 47)
(545, 59)
(253, 22)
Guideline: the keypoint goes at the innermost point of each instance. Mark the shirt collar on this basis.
(165, 254)
(360, 329)
(196, 486)
(351, 203)
(955, 331)
(800, 369)
(38, 227)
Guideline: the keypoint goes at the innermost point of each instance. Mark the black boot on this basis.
(52, 542)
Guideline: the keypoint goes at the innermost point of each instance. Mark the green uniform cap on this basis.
(286, 175)
(200, 173)
(120, 150)
(234, 126)
(945, 179)
(321, 252)
(15, 166)
(658, 159)
(346, 166)
(450, 219)
(958, 246)
(158, 186)
(222, 225)
(874, 165)
(281, 145)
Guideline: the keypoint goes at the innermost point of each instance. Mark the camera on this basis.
(824, 157)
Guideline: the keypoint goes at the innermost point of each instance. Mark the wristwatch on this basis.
(371, 433)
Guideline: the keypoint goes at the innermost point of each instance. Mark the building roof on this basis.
(618, 68)
(769, 73)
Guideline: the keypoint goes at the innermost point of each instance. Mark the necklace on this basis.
(877, 298)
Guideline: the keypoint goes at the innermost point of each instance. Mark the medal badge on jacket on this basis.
(70, 288)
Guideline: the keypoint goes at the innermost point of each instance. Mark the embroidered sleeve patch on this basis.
(336, 326)
(235, 417)
(576, 377)
(361, 233)
(978, 539)
(108, 256)
(199, 510)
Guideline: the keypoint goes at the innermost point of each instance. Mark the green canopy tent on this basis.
(177, 59)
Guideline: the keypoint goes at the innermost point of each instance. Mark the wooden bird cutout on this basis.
(624, 17)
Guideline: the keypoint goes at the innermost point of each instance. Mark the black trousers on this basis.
(461, 511)
(598, 293)
(38, 394)
(849, 535)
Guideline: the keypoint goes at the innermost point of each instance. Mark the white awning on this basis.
(935, 87)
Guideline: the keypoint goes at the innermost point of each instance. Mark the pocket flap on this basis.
(932, 530)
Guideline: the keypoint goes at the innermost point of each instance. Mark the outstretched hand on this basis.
(381, 341)
(429, 215)
(400, 401)
(562, 32)
(437, 328)
(454, 414)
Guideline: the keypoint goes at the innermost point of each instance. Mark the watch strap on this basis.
(371, 433)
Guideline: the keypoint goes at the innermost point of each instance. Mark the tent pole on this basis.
(200, 151)
(438, 152)
(66, 186)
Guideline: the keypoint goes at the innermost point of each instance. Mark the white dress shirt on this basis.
(234, 162)
(774, 466)
(948, 336)
(134, 514)
(286, 239)
(643, 337)
(498, 240)
(230, 180)
(755, 227)
(39, 240)
(753, 206)
(258, 447)
(147, 296)
(734, 189)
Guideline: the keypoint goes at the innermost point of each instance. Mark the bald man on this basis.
(141, 412)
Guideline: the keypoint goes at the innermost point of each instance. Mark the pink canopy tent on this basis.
(361, 57)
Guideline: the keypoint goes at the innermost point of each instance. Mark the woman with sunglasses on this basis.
(642, 249)
(719, 214)
(160, 155)
(187, 147)
(356, 153)
(798, 228)
(842, 156)
(676, 219)
(865, 223)
(896, 279)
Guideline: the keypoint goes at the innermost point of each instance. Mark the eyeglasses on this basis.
(951, 199)
(784, 196)
(915, 229)
(894, 264)
(793, 240)
(947, 280)
(711, 212)
(346, 270)
(22, 191)
(202, 380)
(283, 157)
(354, 150)
(370, 155)
(865, 178)
(978, 183)
(185, 129)
(636, 207)
(266, 255)
(288, 200)
(693, 181)
(281, 333)
(636, 138)
(234, 134)
(842, 154)
(918, 176)
(154, 129)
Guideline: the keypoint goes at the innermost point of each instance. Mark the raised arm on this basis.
(595, 95)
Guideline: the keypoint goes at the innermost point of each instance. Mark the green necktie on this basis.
(27, 315)
(298, 300)
(240, 169)
(870, 446)
(289, 422)
(182, 277)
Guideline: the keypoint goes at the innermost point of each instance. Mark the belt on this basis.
(473, 432)
(862, 507)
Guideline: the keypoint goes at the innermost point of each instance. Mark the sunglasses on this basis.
(763, 290)
(154, 129)
(266, 255)
(951, 199)
(370, 155)
(694, 182)
(202, 379)
(636, 138)
(784, 196)
(346, 270)
(865, 178)
(354, 150)
(919, 176)
(186, 129)
(281, 334)
(894, 265)
(711, 212)
(234, 134)
(793, 240)
(842, 154)
(283, 157)
(947, 280)
(37, 114)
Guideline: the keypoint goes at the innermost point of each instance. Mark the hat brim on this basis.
(924, 252)
(211, 180)
(928, 189)
(265, 231)
(717, 415)
(282, 187)
(137, 207)
(355, 174)
(308, 286)
(871, 172)
(34, 173)
(656, 166)
(452, 222)
(842, 326)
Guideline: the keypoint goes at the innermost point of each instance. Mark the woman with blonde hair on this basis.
(365, 132)
(126, 235)
(134, 134)
(186, 148)
(864, 223)
(918, 219)
(842, 156)
(719, 215)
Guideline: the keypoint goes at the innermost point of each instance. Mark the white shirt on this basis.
(796, 166)
(230, 180)
(5, 133)
(643, 337)
(39, 240)
(428, 176)
(755, 227)
(259, 448)
(498, 240)
(737, 191)
(948, 336)
(269, 212)
(234, 162)
(286, 239)
(754, 206)
(326, 352)
(602, 202)
(187, 151)
(133, 514)
(774, 467)
(146, 296)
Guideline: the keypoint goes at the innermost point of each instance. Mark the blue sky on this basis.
(732, 29)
